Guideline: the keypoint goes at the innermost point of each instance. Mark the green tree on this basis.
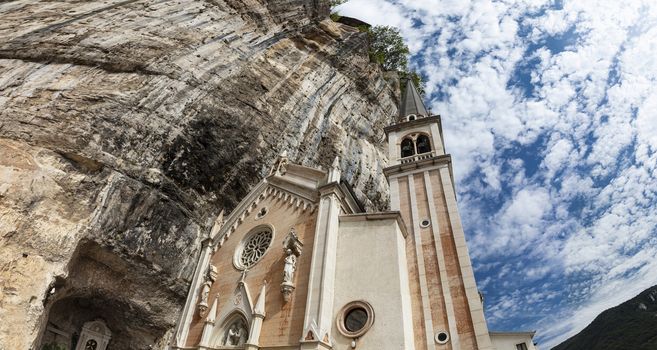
(387, 48)
(415, 77)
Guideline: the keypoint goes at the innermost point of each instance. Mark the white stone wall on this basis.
(508, 341)
(371, 266)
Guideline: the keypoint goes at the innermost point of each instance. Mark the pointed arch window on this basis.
(423, 144)
(407, 147)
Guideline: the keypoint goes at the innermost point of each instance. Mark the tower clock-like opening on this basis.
(415, 144)
(407, 148)
(423, 144)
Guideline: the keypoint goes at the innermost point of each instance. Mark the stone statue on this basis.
(205, 292)
(233, 335)
(211, 274)
(210, 277)
(242, 335)
(292, 247)
(281, 164)
(236, 335)
(290, 266)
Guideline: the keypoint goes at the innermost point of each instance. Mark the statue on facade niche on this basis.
(205, 292)
(290, 266)
(281, 164)
(236, 335)
(292, 247)
(210, 276)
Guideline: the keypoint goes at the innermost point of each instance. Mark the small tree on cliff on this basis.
(387, 48)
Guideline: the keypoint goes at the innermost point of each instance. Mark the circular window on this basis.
(355, 319)
(442, 337)
(425, 223)
(253, 247)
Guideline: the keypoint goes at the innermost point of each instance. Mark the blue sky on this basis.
(550, 113)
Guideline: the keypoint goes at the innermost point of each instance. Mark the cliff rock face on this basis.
(126, 126)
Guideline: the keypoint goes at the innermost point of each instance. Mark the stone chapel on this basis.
(298, 264)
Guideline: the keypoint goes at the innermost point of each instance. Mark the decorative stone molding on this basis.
(355, 319)
(292, 199)
(279, 167)
(298, 201)
(292, 247)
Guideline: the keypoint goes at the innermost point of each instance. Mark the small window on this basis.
(355, 319)
(407, 148)
(411, 117)
(425, 223)
(91, 345)
(423, 144)
(441, 337)
(521, 346)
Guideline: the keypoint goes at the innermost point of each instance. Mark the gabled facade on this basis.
(299, 265)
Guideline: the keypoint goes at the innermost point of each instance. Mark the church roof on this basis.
(411, 102)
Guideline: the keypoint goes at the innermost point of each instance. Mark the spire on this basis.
(411, 102)
(335, 173)
(259, 308)
(212, 315)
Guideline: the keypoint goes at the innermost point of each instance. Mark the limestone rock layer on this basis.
(126, 126)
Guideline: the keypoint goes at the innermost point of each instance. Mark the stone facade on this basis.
(348, 279)
(127, 126)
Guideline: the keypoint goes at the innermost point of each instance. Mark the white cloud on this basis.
(579, 153)
(560, 152)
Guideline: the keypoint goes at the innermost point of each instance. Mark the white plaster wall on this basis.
(371, 266)
(509, 341)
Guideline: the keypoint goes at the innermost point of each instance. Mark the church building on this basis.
(298, 264)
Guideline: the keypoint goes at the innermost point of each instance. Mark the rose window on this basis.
(254, 247)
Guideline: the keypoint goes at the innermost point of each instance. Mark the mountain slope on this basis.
(630, 325)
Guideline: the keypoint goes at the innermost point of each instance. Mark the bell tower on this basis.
(447, 308)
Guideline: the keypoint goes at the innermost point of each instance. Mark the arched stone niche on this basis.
(234, 332)
(94, 336)
(101, 285)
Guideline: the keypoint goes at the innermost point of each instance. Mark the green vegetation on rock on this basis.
(53, 346)
(387, 47)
